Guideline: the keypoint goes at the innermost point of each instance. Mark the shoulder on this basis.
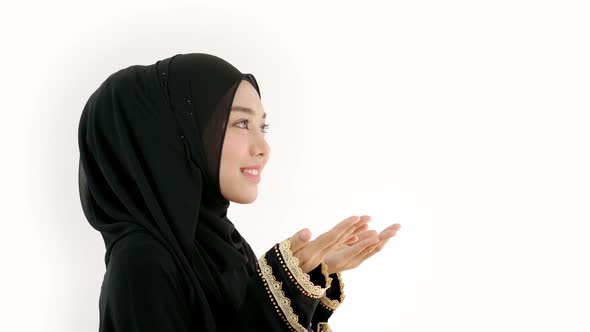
(142, 289)
(140, 254)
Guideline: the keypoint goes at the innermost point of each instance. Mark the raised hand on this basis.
(362, 246)
(311, 253)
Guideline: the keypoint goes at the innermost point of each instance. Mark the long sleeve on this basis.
(281, 297)
(329, 303)
(143, 292)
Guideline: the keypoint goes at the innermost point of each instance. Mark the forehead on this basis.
(247, 101)
(244, 109)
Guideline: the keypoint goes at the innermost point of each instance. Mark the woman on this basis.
(164, 148)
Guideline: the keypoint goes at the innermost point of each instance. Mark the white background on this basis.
(465, 121)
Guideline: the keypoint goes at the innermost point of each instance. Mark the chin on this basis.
(243, 199)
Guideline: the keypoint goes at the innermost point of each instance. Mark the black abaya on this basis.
(150, 140)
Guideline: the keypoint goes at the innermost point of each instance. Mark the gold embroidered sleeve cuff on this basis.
(291, 293)
(328, 303)
(278, 298)
(312, 284)
(335, 294)
(323, 327)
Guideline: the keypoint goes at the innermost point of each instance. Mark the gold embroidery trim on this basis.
(277, 292)
(326, 275)
(324, 327)
(333, 304)
(272, 299)
(302, 278)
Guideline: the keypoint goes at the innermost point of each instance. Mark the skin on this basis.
(244, 145)
(344, 247)
(363, 244)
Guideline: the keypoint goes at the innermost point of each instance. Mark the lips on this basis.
(253, 176)
(255, 167)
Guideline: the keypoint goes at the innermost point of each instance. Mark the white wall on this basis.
(465, 121)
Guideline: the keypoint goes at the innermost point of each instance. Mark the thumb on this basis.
(300, 239)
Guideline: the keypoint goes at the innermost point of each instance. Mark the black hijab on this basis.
(150, 140)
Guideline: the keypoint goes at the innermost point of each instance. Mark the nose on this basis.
(260, 146)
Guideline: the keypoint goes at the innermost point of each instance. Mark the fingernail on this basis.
(303, 235)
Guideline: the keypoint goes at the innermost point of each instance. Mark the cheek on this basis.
(234, 150)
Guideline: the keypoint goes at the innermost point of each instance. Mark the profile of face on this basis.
(245, 151)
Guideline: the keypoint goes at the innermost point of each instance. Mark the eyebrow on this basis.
(246, 110)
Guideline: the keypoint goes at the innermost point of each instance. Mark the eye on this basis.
(243, 121)
(264, 127)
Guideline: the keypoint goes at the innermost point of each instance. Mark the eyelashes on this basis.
(264, 127)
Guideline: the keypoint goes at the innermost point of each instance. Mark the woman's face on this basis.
(244, 147)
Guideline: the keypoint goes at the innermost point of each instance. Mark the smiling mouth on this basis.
(251, 171)
(252, 174)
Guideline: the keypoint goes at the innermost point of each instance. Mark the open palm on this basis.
(362, 245)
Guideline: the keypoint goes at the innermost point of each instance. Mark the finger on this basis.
(395, 227)
(365, 254)
(347, 234)
(360, 246)
(361, 227)
(364, 234)
(371, 250)
(366, 217)
(353, 239)
(385, 236)
(314, 249)
(300, 239)
(388, 233)
(358, 227)
(332, 236)
(377, 248)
